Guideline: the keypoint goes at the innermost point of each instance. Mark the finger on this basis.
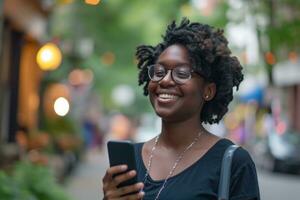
(136, 196)
(121, 192)
(130, 189)
(123, 177)
(108, 181)
(114, 170)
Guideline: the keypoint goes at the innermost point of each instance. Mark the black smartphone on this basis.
(122, 152)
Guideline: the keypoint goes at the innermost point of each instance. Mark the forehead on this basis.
(174, 54)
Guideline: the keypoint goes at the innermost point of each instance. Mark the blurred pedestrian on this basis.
(189, 77)
(120, 128)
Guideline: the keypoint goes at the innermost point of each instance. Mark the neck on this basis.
(179, 134)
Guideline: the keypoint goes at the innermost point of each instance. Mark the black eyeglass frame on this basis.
(172, 74)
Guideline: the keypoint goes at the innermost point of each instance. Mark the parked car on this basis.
(279, 152)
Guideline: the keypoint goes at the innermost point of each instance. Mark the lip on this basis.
(166, 96)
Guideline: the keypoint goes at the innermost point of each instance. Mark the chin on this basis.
(163, 115)
(163, 110)
(167, 115)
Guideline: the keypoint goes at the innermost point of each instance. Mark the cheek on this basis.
(198, 93)
(151, 87)
(194, 96)
(151, 90)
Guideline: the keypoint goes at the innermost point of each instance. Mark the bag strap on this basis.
(223, 191)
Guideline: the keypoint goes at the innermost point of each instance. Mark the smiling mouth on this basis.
(167, 97)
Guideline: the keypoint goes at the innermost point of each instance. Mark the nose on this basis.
(167, 80)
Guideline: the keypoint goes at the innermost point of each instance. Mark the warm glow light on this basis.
(108, 58)
(76, 77)
(80, 77)
(270, 58)
(65, 1)
(92, 2)
(61, 106)
(49, 57)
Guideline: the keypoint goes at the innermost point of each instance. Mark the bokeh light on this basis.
(270, 58)
(92, 2)
(79, 77)
(108, 58)
(49, 57)
(61, 106)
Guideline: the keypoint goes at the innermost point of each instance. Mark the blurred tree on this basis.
(115, 28)
(278, 29)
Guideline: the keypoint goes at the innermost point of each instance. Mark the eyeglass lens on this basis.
(180, 74)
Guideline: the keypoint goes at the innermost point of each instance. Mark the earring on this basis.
(206, 97)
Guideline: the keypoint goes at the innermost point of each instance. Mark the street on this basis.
(86, 182)
(276, 186)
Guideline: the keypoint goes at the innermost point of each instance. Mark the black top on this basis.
(200, 180)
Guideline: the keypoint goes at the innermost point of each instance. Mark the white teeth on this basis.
(167, 96)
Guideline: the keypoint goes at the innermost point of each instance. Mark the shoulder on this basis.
(244, 183)
(242, 156)
(242, 163)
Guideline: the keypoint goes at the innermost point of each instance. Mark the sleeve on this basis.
(244, 183)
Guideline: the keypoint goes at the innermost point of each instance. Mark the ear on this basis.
(209, 91)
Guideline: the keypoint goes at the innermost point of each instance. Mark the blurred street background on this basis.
(68, 84)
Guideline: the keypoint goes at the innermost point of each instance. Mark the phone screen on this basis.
(122, 152)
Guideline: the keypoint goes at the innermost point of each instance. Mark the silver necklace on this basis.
(179, 158)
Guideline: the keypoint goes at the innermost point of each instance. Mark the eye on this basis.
(182, 72)
(159, 71)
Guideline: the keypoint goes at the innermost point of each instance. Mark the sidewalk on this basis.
(86, 181)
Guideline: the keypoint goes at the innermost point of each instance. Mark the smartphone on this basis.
(122, 152)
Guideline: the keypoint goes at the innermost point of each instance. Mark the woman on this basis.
(189, 77)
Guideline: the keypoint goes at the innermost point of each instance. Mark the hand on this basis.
(110, 183)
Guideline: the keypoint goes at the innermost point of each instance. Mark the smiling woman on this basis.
(189, 78)
(180, 95)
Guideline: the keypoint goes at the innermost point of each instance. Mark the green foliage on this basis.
(217, 18)
(119, 27)
(60, 126)
(283, 25)
(279, 33)
(30, 182)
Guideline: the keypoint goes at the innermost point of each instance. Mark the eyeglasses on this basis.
(180, 74)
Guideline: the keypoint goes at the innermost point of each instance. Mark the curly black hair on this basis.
(210, 57)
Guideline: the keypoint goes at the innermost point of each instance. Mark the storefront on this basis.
(24, 26)
(286, 78)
